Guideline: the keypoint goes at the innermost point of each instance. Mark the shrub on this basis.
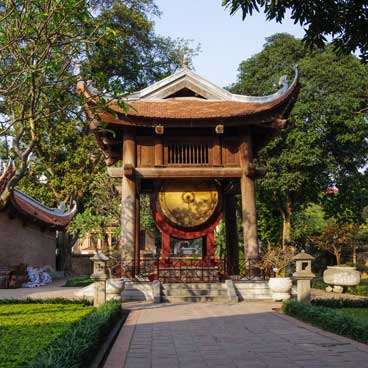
(341, 303)
(318, 283)
(79, 281)
(328, 319)
(26, 329)
(77, 346)
(359, 290)
(45, 301)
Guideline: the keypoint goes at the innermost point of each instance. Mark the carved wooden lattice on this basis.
(188, 154)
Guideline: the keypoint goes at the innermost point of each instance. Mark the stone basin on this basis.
(341, 276)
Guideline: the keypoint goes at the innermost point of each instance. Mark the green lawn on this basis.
(360, 314)
(27, 329)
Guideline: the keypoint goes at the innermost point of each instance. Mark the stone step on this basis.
(195, 292)
(255, 292)
(251, 285)
(256, 297)
(191, 286)
(195, 299)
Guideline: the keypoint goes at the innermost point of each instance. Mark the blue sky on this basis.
(225, 40)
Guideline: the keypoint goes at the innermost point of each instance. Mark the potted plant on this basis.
(277, 259)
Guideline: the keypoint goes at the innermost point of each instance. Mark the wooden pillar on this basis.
(232, 239)
(248, 199)
(165, 246)
(128, 202)
(210, 245)
(137, 250)
(159, 152)
(204, 247)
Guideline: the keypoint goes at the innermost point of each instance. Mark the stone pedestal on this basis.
(303, 276)
(99, 277)
(99, 296)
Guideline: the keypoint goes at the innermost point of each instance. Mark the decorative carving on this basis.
(251, 170)
(159, 129)
(279, 123)
(219, 129)
(128, 170)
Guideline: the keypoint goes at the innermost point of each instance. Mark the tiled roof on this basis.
(158, 101)
(29, 207)
(182, 108)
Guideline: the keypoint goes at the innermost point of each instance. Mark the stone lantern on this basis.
(99, 276)
(303, 276)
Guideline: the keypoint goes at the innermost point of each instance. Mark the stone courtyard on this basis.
(248, 334)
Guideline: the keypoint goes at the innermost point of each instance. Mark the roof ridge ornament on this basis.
(284, 82)
(185, 62)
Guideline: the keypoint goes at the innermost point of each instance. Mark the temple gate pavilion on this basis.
(190, 144)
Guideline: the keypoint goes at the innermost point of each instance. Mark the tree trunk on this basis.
(338, 257)
(64, 246)
(286, 222)
(354, 255)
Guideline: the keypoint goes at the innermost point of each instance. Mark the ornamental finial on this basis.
(186, 61)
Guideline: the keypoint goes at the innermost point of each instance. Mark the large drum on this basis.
(189, 205)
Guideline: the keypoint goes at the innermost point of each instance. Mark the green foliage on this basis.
(345, 21)
(341, 303)
(28, 329)
(146, 218)
(77, 346)
(318, 283)
(117, 47)
(130, 55)
(308, 222)
(39, 43)
(101, 209)
(358, 290)
(79, 281)
(329, 319)
(356, 313)
(324, 144)
(83, 302)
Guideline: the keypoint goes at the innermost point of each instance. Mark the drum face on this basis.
(188, 204)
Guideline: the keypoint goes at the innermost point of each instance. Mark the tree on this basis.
(125, 54)
(131, 55)
(39, 42)
(326, 135)
(336, 237)
(345, 21)
(348, 203)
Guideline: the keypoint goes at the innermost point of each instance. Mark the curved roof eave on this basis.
(56, 217)
(148, 93)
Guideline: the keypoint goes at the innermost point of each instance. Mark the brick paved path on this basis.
(224, 336)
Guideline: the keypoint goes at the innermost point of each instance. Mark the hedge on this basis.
(26, 329)
(79, 281)
(341, 303)
(45, 301)
(328, 319)
(77, 347)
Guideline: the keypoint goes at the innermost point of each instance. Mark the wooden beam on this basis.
(180, 173)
